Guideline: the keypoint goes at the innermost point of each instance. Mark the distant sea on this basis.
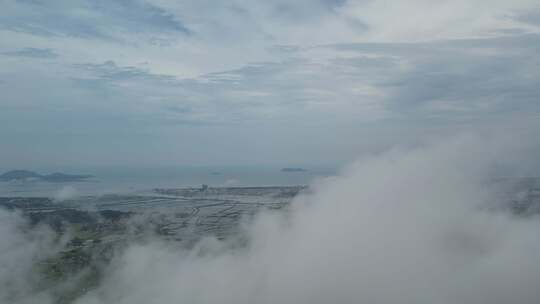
(137, 181)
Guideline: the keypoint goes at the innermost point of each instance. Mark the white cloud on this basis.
(423, 20)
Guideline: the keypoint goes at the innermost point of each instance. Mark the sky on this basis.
(275, 83)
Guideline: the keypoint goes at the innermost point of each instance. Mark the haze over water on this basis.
(124, 181)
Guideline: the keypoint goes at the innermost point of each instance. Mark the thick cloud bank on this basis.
(407, 226)
(20, 248)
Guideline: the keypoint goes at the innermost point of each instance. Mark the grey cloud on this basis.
(89, 83)
(248, 21)
(140, 15)
(282, 48)
(334, 3)
(32, 53)
(88, 19)
(152, 99)
(461, 75)
(448, 79)
(248, 93)
(365, 62)
(110, 71)
(297, 11)
(531, 17)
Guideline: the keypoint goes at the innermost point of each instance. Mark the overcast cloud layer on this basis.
(261, 82)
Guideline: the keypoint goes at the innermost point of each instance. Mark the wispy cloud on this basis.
(32, 53)
(88, 19)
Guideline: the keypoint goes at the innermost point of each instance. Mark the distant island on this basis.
(24, 175)
(293, 170)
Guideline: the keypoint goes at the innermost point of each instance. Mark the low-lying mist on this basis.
(406, 226)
